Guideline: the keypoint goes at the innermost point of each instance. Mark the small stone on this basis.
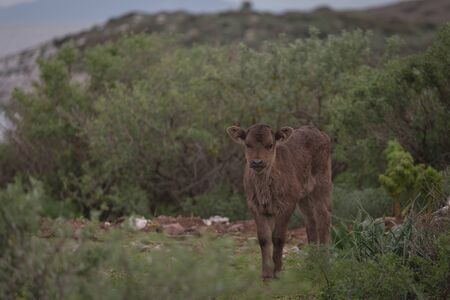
(105, 225)
(236, 227)
(173, 229)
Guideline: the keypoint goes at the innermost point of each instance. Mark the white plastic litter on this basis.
(444, 210)
(138, 223)
(295, 250)
(216, 219)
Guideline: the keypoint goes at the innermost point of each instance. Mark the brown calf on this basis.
(284, 169)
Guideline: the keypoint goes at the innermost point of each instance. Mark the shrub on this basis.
(164, 130)
(434, 275)
(45, 140)
(41, 260)
(348, 202)
(384, 278)
(417, 249)
(222, 201)
(405, 99)
(404, 180)
(370, 238)
(146, 129)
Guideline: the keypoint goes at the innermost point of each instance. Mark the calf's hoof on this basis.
(266, 276)
(276, 275)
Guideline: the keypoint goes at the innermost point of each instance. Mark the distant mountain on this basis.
(49, 11)
(431, 11)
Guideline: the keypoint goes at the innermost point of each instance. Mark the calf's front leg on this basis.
(264, 228)
(279, 237)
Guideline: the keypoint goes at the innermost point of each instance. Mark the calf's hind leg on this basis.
(322, 200)
(309, 214)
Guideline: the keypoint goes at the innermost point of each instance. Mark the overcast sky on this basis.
(275, 4)
(4, 3)
(311, 4)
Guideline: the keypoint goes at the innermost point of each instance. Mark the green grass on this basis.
(60, 259)
(157, 266)
(118, 263)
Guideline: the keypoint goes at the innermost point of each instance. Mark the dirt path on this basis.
(182, 226)
(197, 226)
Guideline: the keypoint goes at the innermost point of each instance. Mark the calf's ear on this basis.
(283, 134)
(237, 134)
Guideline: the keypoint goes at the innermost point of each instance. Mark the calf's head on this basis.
(260, 143)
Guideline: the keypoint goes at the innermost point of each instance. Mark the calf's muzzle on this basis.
(257, 164)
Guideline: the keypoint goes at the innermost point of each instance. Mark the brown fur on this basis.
(297, 171)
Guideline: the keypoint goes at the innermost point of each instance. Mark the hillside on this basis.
(432, 12)
(64, 10)
(414, 21)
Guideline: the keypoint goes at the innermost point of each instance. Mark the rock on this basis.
(153, 227)
(236, 227)
(165, 220)
(296, 250)
(195, 230)
(105, 225)
(202, 230)
(173, 229)
(390, 222)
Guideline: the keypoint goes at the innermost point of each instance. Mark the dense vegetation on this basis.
(143, 132)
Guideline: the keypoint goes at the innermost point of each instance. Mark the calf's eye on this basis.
(248, 146)
(269, 147)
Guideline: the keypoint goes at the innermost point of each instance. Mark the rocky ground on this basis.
(184, 227)
(180, 227)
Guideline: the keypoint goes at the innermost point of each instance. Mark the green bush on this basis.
(222, 202)
(404, 99)
(164, 130)
(410, 185)
(19, 214)
(145, 130)
(41, 260)
(415, 253)
(45, 140)
(435, 274)
(152, 114)
(348, 202)
(385, 278)
(368, 238)
(33, 267)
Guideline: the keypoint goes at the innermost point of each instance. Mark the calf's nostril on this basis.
(256, 163)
